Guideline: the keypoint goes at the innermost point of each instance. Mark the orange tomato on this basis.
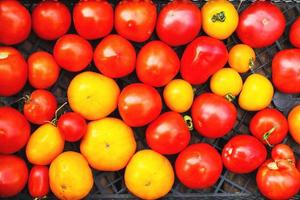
(241, 58)
(294, 123)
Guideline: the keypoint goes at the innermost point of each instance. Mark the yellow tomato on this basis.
(257, 93)
(294, 123)
(149, 175)
(178, 95)
(44, 145)
(241, 58)
(70, 176)
(108, 144)
(219, 18)
(93, 95)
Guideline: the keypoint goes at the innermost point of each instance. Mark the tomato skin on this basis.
(298, 165)
(168, 134)
(241, 58)
(197, 67)
(294, 123)
(15, 22)
(97, 23)
(294, 33)
(213, 116)
(38, 181)
(283, 152)
(160, 72)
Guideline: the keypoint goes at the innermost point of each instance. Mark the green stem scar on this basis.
(189, 122)
(219, 17)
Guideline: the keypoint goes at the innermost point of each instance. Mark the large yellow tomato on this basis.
(44, 145)
(219, 18)
(108, 144)
(256, 94)
(149, 175)
(241, 58)
(294, 123)
(70, 176)
(93, 95)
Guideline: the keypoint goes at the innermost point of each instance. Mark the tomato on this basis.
(51, 19)
(298, 165)
(139, 104)
(219, 18)
(75, 47)
(178, 23)
(38, 181)
(213, 116)
(241, 58)
(261, 24)
(40, 107)
(202, 58)
(294, 123)
(72, 125)
(115, 56)
(243, 154)
(294, 33)
(13, 175)
(199, 166)
(15, 22)
(14, 130)
(285, 70)
(256, 94)
(269, 126)
(13, 71)
(283, 152)
(135, 20)
(43, 71)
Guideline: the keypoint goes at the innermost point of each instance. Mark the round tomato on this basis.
(93, 19)
(115, 57)
(241, 58)
(15, 22)
(283, 152)
(51, 19)
(135, 20)
(294, 33)
(139, 104)
(38, 181)
(294, 123)
(72, 52)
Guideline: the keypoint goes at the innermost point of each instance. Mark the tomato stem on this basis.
(54, 121)
(229, 97)
(251, 64)
(189, 122)
(267, 134)
(219, 17)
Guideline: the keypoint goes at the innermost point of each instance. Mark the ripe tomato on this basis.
(15, 22)
(294, 123)
(13, 71)
(294, 33)
(213, 116)
(241, 58)
(243, 154)
(40, 107)
(269, 126)
(139, 104)
(283, 152)
(199, 166)
(135, 20)
(38, 181)
(13, 175)
(51, 19)
(43, 71)
(202, 58)
(261, 24)
(75, 47)
(115, 56)
(178, 23)
(219, 18)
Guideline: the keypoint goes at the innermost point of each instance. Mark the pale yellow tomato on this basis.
(241, 58)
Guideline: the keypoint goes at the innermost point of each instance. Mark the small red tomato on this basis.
(283, 152)
(72, 52)
(115, 56)
(40, 107)
(72, 125)
(168, 134)
(294, 33)
(38, 181)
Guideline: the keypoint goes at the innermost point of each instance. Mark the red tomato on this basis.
(43, 71)
(213, 116)
(115, 56)
(295, 32)
(135, 20)
(93, 19)
(178, 23)
(14, 130)
(199, 166)
(72, 125)
(139, 104)
(15, 22)
(51, 20)
(13, 175)
(261, 24)
(157, 64)
(243, 154)
(13, 71)
(269, 126)
(202, 58)
(40, 107)
(72, 52)
(38, 181)
(168, 134)
(283, 152)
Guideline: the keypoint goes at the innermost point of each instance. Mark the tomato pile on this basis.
(102, 115)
